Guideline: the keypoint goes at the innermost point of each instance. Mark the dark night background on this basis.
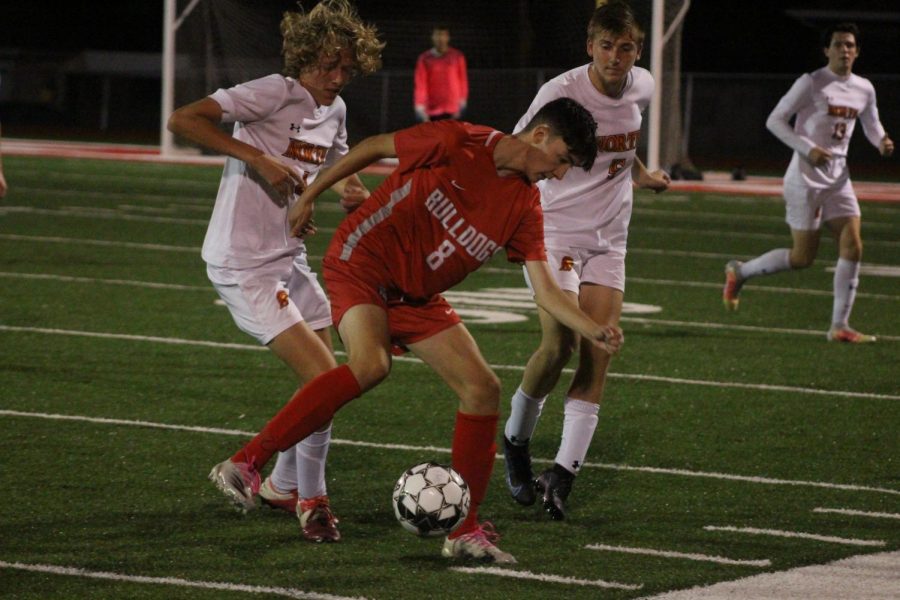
(740, 57)
(754, 36)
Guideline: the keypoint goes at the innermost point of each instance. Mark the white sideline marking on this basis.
(717, 233)
(730, 217)
(858, 513)
(65, 240)
(500, 270)
(797, 534)
(761, 288)
(687, 555)
(421, 449)
(107, 214)
(176, 581)
(865, 577)
(875, 270)
(627, 376)
(547, 578)
(128, 282)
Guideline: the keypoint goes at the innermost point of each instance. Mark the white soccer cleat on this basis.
(238, 481)
(479, 545)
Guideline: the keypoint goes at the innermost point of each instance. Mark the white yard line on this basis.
(436, 449)
(830, 539)
(685, 555)
(109, 215)
(627, 376)
(172, 581)
(758, 288)
(87, 242)
(546, 578)
(500, 300)
(725, 216)
(857, 513)
(126, 282)
(865, 577)
(720, 234)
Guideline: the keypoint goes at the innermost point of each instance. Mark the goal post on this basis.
(665, 144)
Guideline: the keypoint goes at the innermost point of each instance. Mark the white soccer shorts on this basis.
(257, 302)
(806, 208)
(573, 266)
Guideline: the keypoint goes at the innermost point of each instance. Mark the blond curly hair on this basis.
(329, 27)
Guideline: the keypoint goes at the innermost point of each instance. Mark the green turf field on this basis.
(713, 422)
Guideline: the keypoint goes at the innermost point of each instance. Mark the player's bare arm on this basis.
(362, 155)
(352, 191)
(198, 123)
(551, 298)
(886, 147)
(658, 180)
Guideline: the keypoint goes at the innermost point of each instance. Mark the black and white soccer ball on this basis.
(430, 499)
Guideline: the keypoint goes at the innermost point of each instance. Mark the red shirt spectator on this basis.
(441, 82)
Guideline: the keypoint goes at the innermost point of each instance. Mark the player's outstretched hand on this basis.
(354, 195)
(610, 339)
(886, 147)
(658, 181)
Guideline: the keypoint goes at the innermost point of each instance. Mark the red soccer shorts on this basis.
(409, 321)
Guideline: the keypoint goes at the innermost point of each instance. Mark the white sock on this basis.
(311, 454)
(846, 280)
(773, 261)
(578, 430)
(523, 417)
(284, 475)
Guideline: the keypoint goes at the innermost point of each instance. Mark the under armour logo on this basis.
(295, 127)
(576, 465)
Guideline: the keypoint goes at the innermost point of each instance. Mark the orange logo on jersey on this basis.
(619, 142)
(567, 263)
(282, 297)
(306, 152)
(615, 166)
(844, 112)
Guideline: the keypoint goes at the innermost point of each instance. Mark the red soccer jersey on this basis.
(441, 214)
(440, 83)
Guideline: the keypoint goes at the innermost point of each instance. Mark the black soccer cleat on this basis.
(519, 476)
(554, 485)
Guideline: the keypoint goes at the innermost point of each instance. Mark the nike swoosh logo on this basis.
(456, 185)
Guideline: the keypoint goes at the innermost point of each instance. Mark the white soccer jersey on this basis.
(276, 114)
(581, 204)
(827, 106)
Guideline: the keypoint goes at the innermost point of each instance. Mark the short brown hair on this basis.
(329, 27)
(617, 18)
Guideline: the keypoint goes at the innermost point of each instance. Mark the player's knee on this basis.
(852, 249)
(802, 260)
(371, 370)
(483, 395)
(554, 355)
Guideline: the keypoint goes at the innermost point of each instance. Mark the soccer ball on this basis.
(430, 499)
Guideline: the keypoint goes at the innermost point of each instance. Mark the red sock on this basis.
(311, 407)
(473, 454)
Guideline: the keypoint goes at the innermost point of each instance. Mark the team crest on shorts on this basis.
(282, 297)
(567, 263)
